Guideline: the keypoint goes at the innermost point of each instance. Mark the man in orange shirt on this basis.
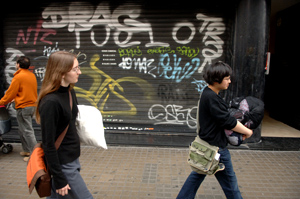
(23, 89)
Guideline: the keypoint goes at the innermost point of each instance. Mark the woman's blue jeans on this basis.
(78, 187)
(226, 178)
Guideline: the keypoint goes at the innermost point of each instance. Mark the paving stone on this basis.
(158, 173)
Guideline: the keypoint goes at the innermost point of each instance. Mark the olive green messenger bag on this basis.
(203, 157)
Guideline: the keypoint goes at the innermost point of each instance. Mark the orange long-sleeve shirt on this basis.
(23, 89)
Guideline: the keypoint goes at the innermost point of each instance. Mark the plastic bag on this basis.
(90, 126)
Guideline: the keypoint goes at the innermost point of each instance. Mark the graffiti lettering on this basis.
(173, 114)
(144, 65)
(201, 84)
(40, 72)
(180, 25)
(130, 51)
(81, 16)
(170, 52)
(213, 27)
(37, 30)
(49, 50)
(81, 57)
(164, 68)
(58, 16)
(169, 92)
(176, 72)
(10, 69)
(131, 26)
(160, 50)
(187, 51)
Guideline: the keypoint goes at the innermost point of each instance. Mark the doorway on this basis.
(281, 96)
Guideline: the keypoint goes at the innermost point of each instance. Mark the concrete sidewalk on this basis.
(158, 173)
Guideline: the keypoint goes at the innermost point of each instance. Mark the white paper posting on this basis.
(217, 156)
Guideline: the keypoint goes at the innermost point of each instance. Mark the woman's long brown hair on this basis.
(59, 63)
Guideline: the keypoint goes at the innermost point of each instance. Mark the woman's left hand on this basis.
(63, 191)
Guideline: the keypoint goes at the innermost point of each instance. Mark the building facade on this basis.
(142, 61)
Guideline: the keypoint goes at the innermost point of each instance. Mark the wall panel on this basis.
(141, 62)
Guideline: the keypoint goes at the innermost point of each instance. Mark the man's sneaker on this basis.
(26, 159)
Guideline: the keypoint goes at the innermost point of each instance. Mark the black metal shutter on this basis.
(141, 63)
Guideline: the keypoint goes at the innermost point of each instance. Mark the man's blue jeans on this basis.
(226, 178)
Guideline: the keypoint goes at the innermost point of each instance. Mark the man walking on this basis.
(23, 89)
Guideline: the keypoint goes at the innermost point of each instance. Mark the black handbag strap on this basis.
(62, 135)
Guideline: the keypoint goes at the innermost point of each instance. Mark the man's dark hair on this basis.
(216, 72)
(24, 62)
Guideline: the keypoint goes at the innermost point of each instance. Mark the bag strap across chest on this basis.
(62, 135)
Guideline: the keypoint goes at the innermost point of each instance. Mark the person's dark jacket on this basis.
(213, 118)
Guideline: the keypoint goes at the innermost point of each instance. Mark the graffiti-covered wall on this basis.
(141, 62)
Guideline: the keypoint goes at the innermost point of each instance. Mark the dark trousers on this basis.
(78, 187)
(226, 178)
(26, 132)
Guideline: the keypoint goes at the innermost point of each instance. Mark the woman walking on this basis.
(55, 114)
